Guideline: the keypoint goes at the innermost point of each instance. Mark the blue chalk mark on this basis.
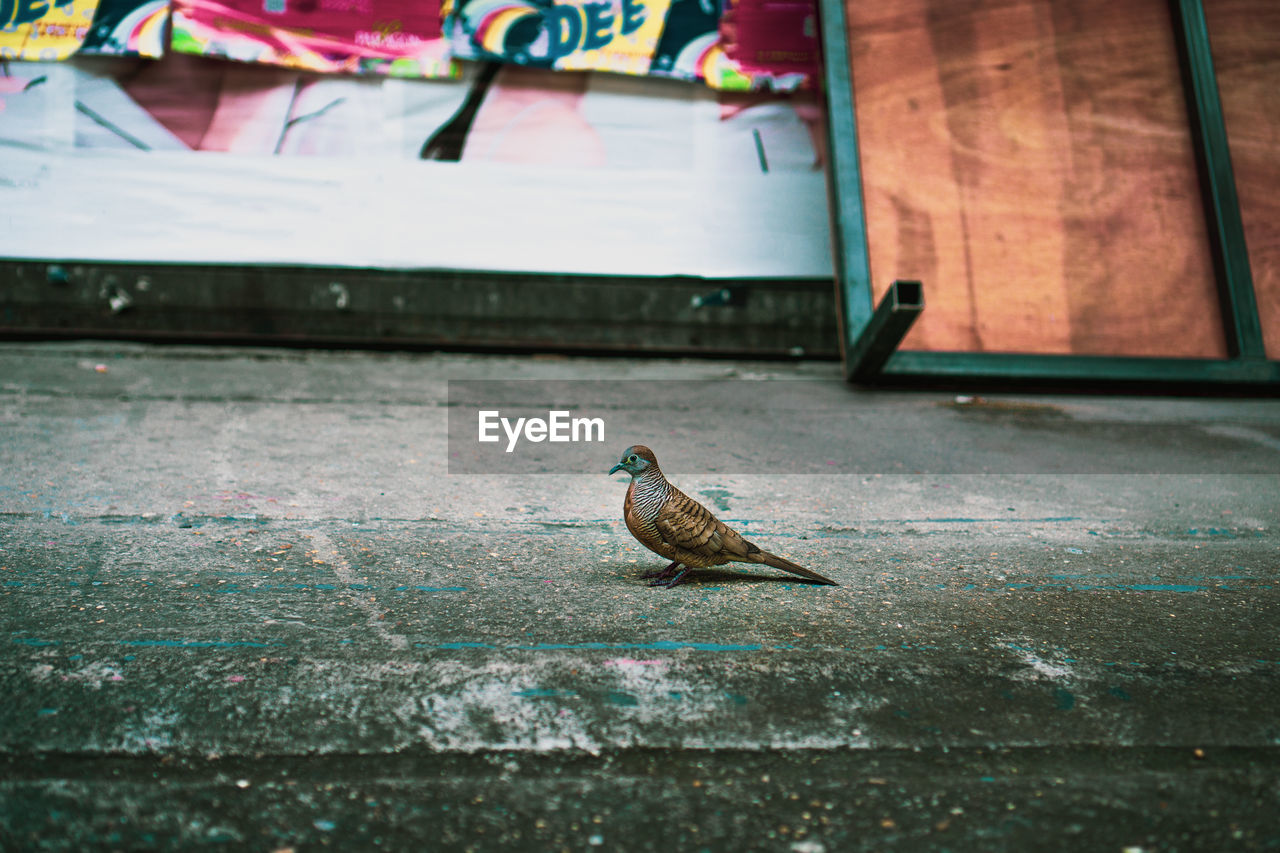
(624, 699)
(44, 712)
(441, 588)
(542, 693)
(557, 646)
(34, 641)
(1063, 699)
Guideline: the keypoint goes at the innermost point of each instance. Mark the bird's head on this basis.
(635, 460)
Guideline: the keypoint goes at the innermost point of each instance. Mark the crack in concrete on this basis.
(328, 553)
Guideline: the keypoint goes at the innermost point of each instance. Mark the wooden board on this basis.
(1030, 162)
(1245, 35)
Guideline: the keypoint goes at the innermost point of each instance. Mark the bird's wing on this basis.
(688, 525)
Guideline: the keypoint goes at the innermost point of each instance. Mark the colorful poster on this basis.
(31, 29)
(774, 40)
(127, 28)
(690, 40)
(666, 38)
(49, 30)
(399, 38)
(615, 35)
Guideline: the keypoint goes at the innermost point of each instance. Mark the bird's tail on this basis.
(788, 566)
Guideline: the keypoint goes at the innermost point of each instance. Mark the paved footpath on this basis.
(247, 605)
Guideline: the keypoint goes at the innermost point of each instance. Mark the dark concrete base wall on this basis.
(430, 308)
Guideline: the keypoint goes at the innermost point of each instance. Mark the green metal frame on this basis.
(870, 335)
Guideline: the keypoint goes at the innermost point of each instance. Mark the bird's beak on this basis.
(615, 469)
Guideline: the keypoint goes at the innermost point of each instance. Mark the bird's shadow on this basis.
(702, 577)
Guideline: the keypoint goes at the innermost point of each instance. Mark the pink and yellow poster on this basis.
(400, 38)
(50, 30)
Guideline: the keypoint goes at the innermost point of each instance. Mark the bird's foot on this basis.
(661, 573)
(668, 583)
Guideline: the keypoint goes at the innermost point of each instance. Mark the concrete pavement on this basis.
(247, 605)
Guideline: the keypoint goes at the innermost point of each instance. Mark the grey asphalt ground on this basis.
(246, 605)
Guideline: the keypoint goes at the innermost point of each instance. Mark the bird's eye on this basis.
(632, 458)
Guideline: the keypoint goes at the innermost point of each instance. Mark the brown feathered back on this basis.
(668, 522)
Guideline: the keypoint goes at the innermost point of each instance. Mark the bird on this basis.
(675, 526)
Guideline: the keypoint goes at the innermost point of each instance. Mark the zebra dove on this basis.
(670, 523)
